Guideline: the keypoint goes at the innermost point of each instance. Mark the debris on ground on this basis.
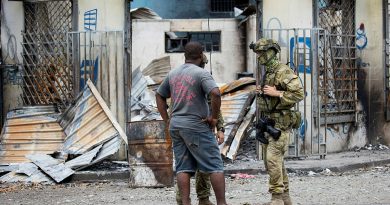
(42, 146)
(242, 176)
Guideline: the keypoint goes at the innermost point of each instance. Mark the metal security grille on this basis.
(47, 79)
(337, 66)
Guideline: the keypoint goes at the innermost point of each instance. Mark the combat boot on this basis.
(276, 200)
(286, 198)
(205, 201)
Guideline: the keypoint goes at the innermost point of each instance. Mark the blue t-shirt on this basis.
(188, 87)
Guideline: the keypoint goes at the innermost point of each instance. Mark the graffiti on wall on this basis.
(301, 51)
(12, 75)
(90, 20)
(361, 38)
(89, 70)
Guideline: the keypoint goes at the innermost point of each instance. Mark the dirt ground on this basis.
(364, 186)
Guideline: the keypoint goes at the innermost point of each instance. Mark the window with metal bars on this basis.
(221, 5)
(175, 41)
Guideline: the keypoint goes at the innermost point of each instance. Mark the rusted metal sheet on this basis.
(92, 123)
(30, 130)
(150, 154)
(54, 168)
(158, 69)
(237, 84)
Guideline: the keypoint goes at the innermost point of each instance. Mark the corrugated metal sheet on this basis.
(30, 130)
(158, 69)
(231, 107)
(138, 87)
(235, 145)
(144, 13)
(54, 168)
(237, 84)
(92, 124)
(36, 177)
(84, 159)
(96, 155)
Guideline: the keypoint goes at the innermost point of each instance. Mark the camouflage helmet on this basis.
(264, 44)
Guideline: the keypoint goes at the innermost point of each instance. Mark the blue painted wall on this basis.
(180, 9)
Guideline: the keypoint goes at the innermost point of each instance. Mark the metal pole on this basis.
(128, 60)
(75, 48)
(259, 34)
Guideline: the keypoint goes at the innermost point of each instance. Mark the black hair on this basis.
(193, 50)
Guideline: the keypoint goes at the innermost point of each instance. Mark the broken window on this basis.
(175, 41)
(227, 5)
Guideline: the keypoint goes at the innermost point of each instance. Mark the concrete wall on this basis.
(149, 43)
(372, 70)
(110, 14)
(11, 34)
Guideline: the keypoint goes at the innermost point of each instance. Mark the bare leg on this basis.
(183, 181)
(218, 183)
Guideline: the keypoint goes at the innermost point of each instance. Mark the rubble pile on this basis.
(44, 146)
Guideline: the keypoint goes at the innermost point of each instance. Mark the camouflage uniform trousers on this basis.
(273, 155)
(202, 184)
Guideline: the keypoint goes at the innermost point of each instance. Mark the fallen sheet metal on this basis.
(150, 154)
(231, 106)
(158, 69)
(138, 86)
(30, 130)
(96, 155)
(27, 168)
(143, 100)
(240, 134)
(54, 168)
(36, 177)
(92, 123)
(84, 159)
(235, 125)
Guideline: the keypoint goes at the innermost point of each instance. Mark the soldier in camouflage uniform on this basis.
(280, 91)
(202, 180)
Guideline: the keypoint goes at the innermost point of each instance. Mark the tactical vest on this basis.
(270, 106)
